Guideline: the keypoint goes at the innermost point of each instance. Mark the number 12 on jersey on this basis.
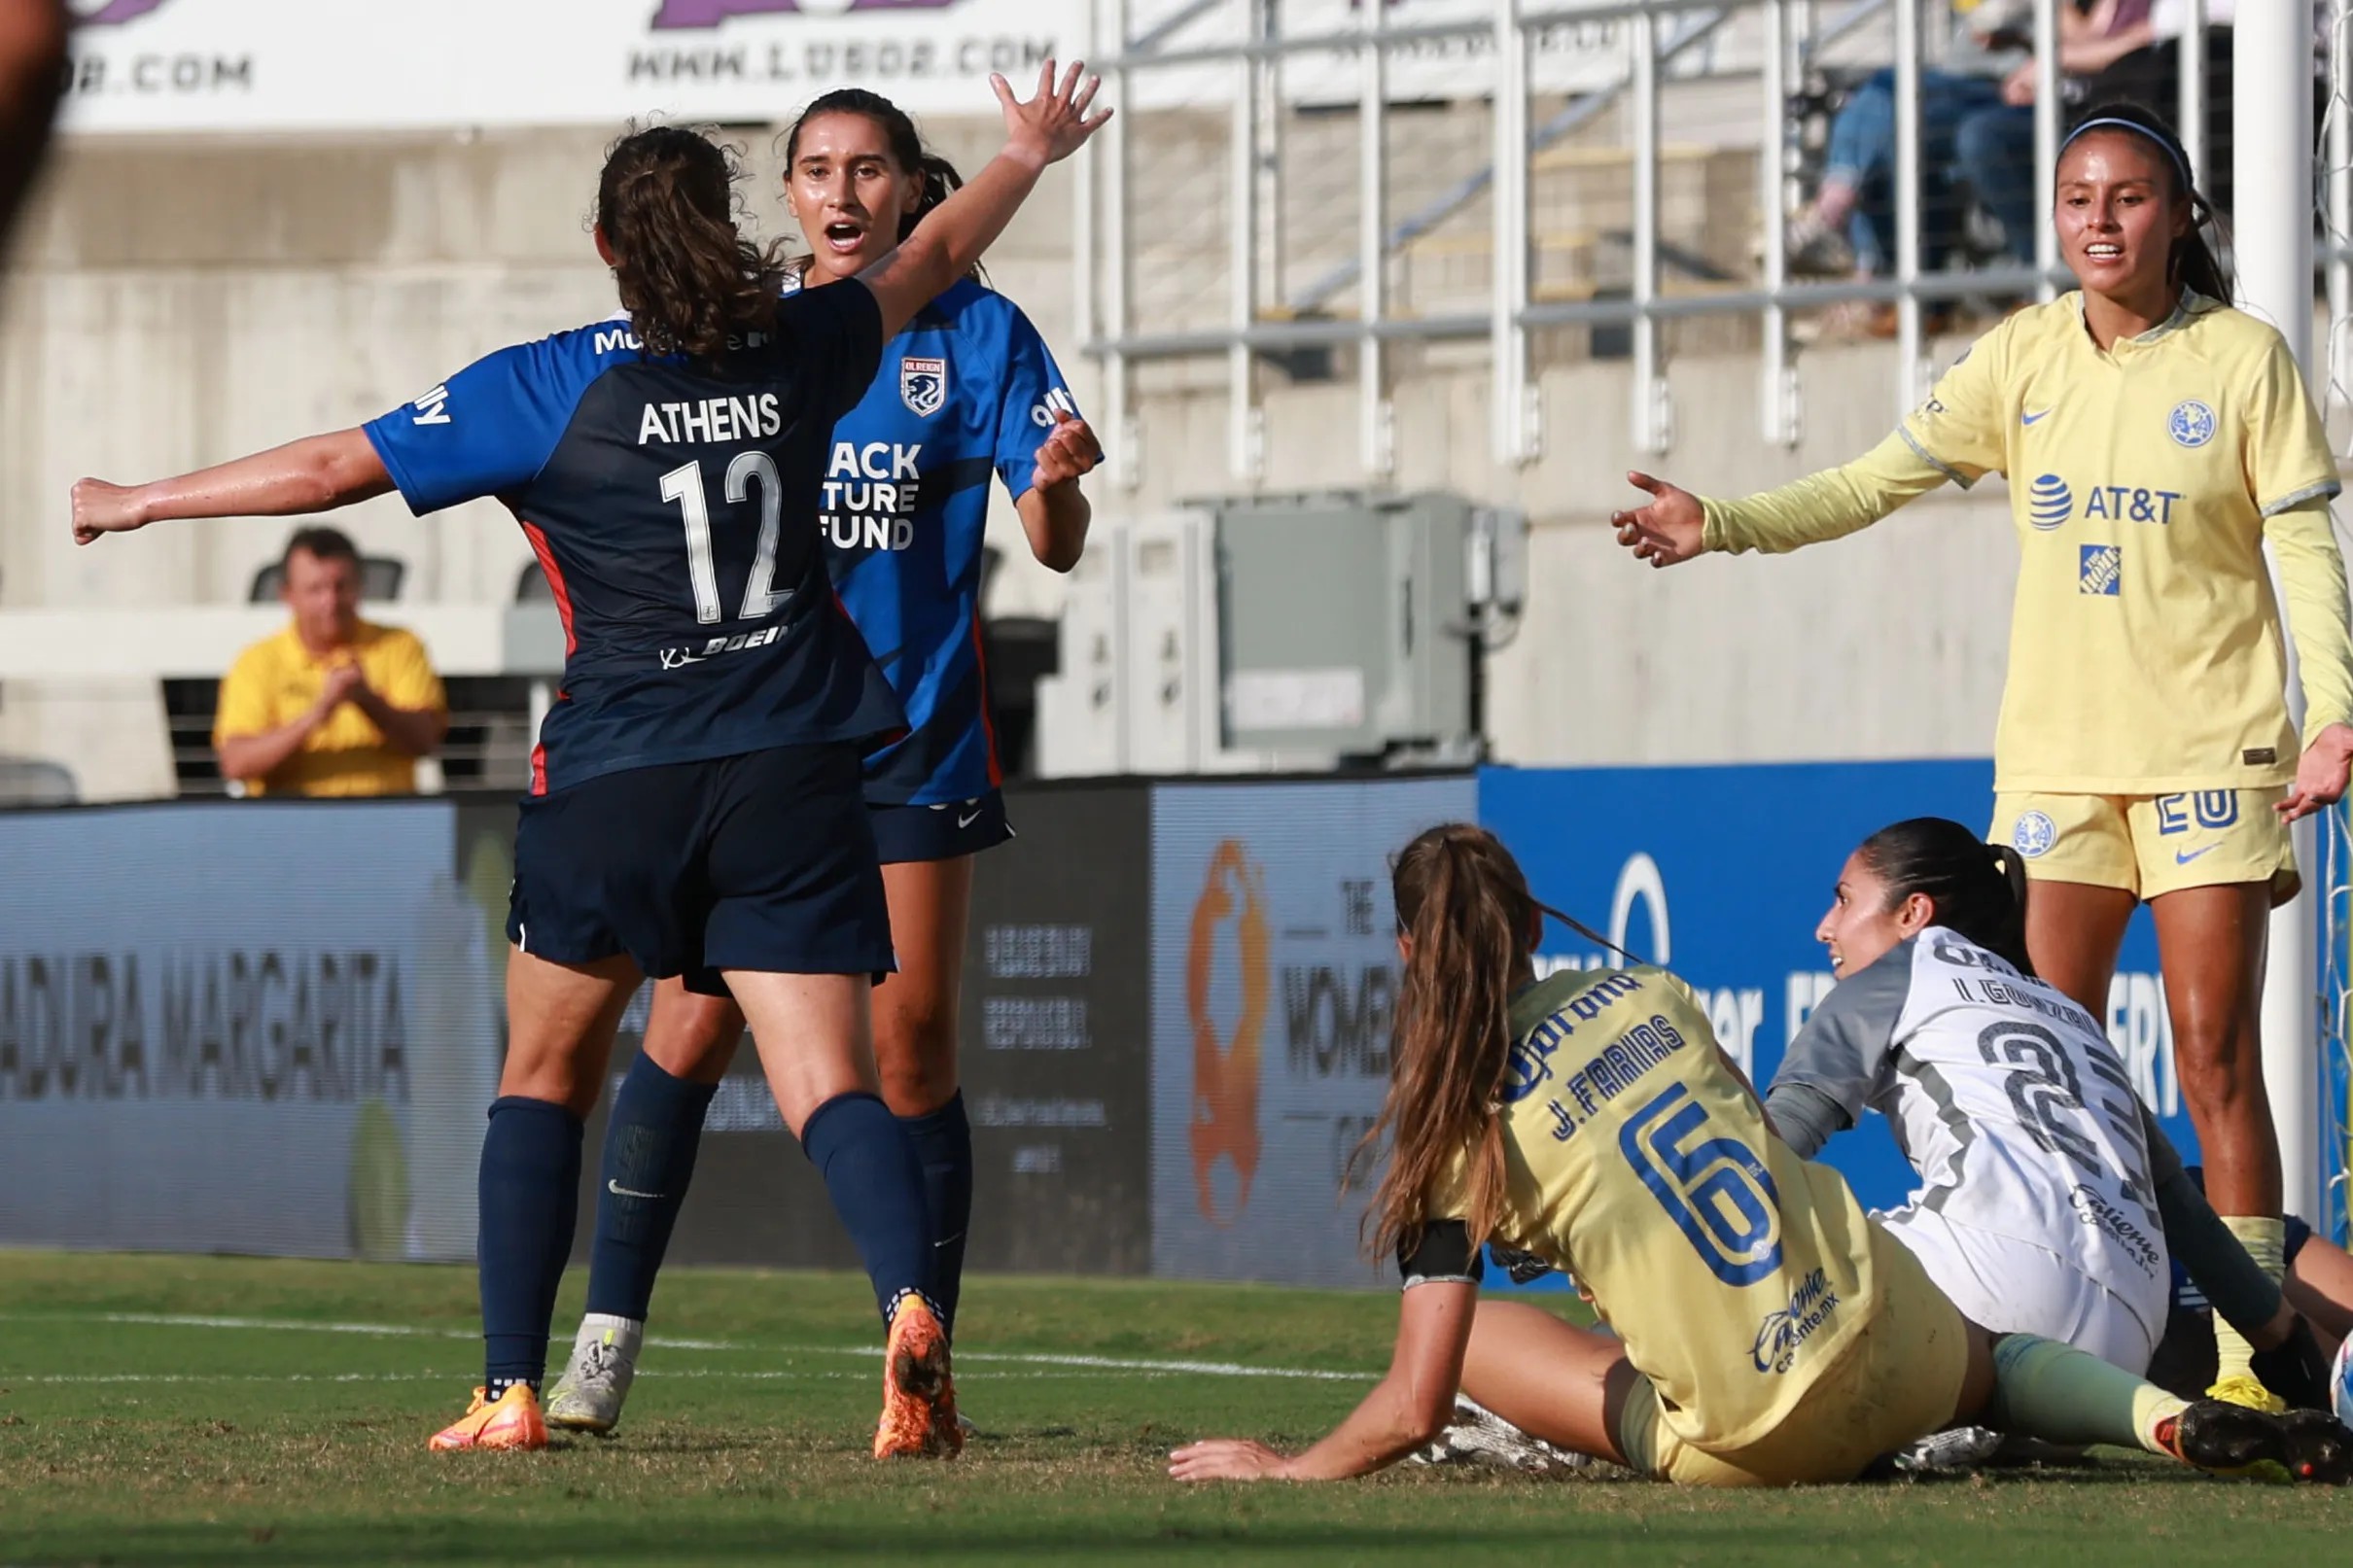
(1716, 1190)
(683, 484)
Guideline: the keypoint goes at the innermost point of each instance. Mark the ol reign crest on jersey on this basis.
(922, 385)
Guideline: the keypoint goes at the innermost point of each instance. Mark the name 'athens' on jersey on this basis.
(668, 503)
(2007, 1100)
(967, 388)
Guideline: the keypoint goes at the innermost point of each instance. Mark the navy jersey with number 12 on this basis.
(669, 504)
(967, 389)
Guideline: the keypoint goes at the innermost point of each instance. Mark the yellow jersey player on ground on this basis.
(1768, 1332)
(2153, 437)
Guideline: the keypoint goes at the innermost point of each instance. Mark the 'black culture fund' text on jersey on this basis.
(671, 504)
(967, 389)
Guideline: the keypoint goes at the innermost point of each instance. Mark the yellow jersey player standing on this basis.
(2154, 439)
(1767, 1332)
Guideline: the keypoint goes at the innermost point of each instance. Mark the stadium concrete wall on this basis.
(174, 301)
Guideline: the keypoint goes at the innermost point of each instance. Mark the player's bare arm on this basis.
(1054, 510)
(1039, 133)
(1406, 1410)
(314, 474)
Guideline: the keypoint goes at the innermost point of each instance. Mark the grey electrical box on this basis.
(1345, 624)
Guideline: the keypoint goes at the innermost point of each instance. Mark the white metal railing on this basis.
(1256, 51)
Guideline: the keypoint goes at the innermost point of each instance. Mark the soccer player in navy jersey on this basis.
(695, 805)
(967, 388)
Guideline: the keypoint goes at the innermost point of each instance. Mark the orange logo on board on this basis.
(1226, 1071)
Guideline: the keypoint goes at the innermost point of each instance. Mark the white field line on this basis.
(1144, 1366)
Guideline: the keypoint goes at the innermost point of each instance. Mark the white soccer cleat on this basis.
(1477, 1436)
(596, 1379)
(1955, 1450)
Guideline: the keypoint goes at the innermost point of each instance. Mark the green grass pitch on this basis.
(202, 1411)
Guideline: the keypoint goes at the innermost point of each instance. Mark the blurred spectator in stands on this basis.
(2109, 49)
(1851, 222)
(332, 705)
(32, 75)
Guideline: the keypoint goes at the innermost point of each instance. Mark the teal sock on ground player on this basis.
(2052, 1391)
(650, 1147)
(877, 1186)
(943, 1143)
(529, 1201)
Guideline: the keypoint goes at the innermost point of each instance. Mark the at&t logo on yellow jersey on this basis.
(2051, 501)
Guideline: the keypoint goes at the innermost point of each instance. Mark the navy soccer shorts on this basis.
(944, 832)
(762, 861)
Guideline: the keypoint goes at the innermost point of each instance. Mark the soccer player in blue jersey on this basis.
(966, 389)
(695, 805)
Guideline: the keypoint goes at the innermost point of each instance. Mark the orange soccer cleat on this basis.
(513, 1422)
(919, 1391)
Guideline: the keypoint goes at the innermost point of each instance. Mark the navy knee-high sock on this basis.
(943, 1143)
(650, 1146)
(530, 1197)
(877, 1187)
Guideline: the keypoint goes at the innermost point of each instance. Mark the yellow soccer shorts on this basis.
(1897, 1382)
(2152, 845)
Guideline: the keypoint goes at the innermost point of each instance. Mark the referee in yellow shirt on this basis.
(2153, 437)
(332, 705)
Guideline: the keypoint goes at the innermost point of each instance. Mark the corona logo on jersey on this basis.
(712, 12)
(1224, 1124)
(873, 489)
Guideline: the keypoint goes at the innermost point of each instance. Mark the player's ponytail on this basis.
(1468, 918)
(1977, 889)
(938, 176)
(666, 207)
(2194, 262)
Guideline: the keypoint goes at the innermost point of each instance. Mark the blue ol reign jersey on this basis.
(668, 503)
(967, 388)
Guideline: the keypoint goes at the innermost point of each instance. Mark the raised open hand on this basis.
(1666, 529)
(1052, 125)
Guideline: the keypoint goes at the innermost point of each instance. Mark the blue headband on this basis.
(2181, 164)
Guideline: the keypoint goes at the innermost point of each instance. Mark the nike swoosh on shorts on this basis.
(2182, 857)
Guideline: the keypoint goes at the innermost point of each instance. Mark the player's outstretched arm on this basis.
(1406, 1410)
(1043, 130)
(315, 474)
(1675, 525)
